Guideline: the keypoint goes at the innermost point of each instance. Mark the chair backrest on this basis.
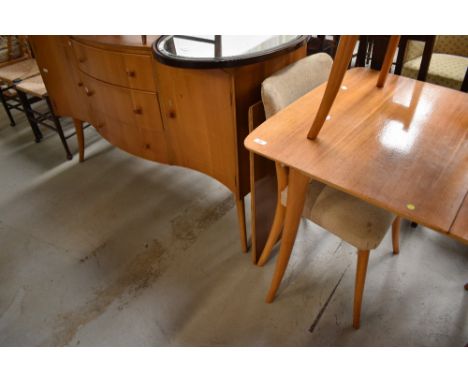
(456, 45)
(13, 49)
(293, 81)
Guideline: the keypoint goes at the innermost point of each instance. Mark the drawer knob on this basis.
(138, 110)
(172, 114)
(130, 73)
(80, 84)
(82, 60)
(88, 92)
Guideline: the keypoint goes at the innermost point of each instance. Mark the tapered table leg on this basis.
(297, 189)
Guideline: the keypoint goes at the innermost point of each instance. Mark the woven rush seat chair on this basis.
(9, 76)
(13, 49)
(353, 220)
(32, 90)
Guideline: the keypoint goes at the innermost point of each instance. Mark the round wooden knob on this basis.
(172, 114)
(88, 92)
(80, 84)
(82, 60)
(138, 110)
(130, 73)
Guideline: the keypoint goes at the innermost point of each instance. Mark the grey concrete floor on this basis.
(120, 251)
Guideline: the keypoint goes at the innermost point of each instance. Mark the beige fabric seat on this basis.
(360, 224)
(445, 70)
(353, 220)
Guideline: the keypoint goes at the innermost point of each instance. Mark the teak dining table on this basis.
(402, 147)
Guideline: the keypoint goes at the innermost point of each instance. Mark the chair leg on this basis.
(30, 115)
(340, 65)
(80, 137)
(388, 60)
(241, 217)
(297, 189)
(396, 235)
(274, 234)
(361, 270)
(278, 220)
(58, 126)
(7, 109)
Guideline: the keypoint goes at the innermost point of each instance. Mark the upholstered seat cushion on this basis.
(315, 188)
(445, 69)
(359, 223)
(352, 219)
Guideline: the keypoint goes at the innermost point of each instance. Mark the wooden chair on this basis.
(11, 74)
(441, 60)
(355, 221)
(340, 65)
(13, 49)
(32, 90)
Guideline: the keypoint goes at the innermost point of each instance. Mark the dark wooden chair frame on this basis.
(429, 42)
(24, 102)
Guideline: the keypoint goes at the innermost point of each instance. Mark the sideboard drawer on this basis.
(124, 69)
(128, 106)
(129, 119)
(144, 143)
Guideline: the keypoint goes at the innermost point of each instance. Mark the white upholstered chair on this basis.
(353, 220)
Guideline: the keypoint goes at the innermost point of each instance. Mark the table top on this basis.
(218, 51)
(19, 70)
(402, 147)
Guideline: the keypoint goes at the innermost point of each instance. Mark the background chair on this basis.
(30, 91)
(446, 64)
(353, 220)
(13, 49)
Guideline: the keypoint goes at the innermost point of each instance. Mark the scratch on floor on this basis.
(142, 271)
(186, 227)
(322, 310)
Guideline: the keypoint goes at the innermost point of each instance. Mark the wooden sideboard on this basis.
(190, 117)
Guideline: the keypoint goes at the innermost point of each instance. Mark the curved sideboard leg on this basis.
(80, 137)
(240, 205)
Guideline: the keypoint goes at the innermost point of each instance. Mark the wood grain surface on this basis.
(402, 147)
